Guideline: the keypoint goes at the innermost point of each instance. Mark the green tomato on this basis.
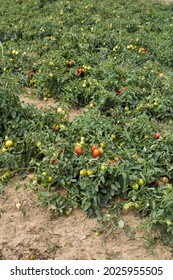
(49, 179)
(128, 206)
(68, 211)
(141, 182)
(137, 205)
(135, 187)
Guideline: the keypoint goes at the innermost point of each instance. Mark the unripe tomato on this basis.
(78, 150)
(8, 143)
(68, 211)
(83, 172)
(91, 105)
(137, 205)
(49, 179)
(100, 150)
(103, 145)
(96, 153)
(68, 183)
(90, 172)
(169, 186)
(135, 187)
(4, 150)
(103, 166)
(38, 144)
(141, 182)
(128, 206)
(169, 222)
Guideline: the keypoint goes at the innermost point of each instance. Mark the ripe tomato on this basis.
(117, 158)
(165, 180)
(94, 147)
(53, 161)
(112, 162)
(78, 150)
(157, 135)
(118, 90)
(96, 153)
(79, 71)
(156, 183)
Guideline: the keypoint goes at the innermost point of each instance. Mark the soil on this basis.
(30, 232)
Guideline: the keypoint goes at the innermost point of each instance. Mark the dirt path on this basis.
(45, 105)
(30, 232)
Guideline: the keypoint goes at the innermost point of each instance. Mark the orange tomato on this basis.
(94, 147)
(96, 153)
(165, 180)
(78, 150)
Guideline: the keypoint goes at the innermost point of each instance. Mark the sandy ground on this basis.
(45, 105)
(31, 232)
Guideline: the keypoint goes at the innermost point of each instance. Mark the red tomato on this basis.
(157, 135)
(112, 162)
(96, 153)
(94, 147)
(118, 90)
(156, 183)
(78, 150)
(79, 71)
(118, 159)
(53, 161)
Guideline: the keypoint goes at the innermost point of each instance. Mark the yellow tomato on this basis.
(90, 172)
(100, 150)
(83, 172)
(103, 145)
(8, 143)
